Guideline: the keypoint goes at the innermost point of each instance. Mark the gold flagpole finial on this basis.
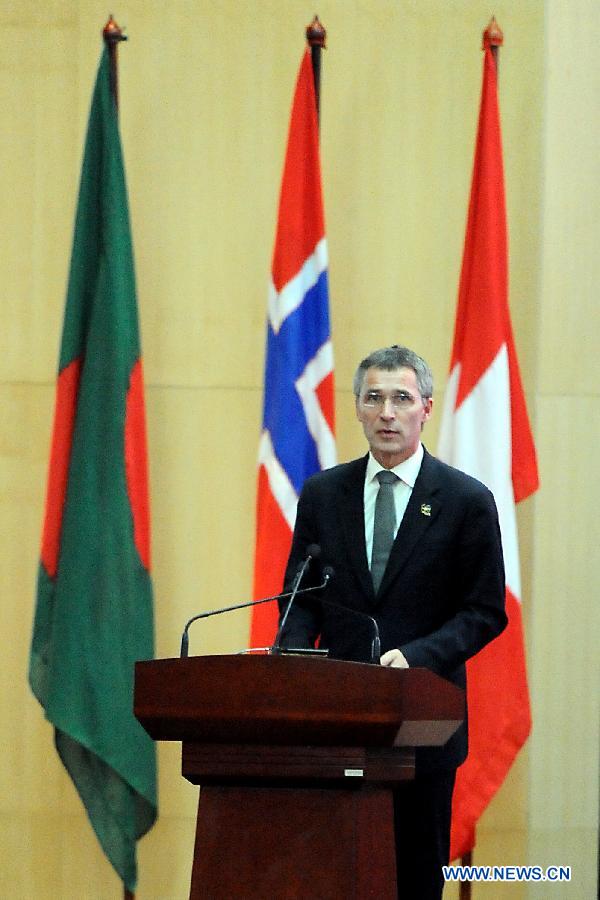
(493, 35)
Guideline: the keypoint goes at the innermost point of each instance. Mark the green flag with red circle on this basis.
(94, 615)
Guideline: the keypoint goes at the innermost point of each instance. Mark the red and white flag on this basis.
(485, 432)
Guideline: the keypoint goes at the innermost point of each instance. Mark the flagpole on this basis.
(113, 35)
(493, 38)
(315, 36)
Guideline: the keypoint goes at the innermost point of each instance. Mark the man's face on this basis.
(392, 413)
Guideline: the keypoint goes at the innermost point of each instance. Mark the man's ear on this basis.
(427, 410)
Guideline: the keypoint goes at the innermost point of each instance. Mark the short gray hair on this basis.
(395, 357)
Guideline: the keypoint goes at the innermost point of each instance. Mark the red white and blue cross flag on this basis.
(298, 415)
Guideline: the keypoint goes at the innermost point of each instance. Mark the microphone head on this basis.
(328, 572)
(313, 551)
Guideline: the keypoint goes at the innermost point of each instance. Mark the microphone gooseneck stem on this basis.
(376, 637)
(216, 612)
(276, 644)
(185, 643)
(375, 644)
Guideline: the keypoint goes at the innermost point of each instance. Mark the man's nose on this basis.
(387, 410)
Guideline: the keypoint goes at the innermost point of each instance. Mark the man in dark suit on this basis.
(436, 588)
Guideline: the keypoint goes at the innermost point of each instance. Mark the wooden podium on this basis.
(297, 758)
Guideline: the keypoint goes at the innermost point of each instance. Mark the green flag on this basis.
(94, 602)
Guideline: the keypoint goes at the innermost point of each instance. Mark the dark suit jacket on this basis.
(442, 596)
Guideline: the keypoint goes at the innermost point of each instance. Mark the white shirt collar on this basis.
(407, 471)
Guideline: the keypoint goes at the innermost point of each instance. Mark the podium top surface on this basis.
(294, 700)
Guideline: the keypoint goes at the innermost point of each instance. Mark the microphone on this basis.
(376, 639)
(216, 612)
(313, 551)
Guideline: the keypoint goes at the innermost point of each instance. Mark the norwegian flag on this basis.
(485, 432)
(298, 415)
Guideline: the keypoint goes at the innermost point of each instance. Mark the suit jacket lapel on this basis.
(353, 524)
(422, 510)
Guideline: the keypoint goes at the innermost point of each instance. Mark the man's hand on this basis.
(394, 658)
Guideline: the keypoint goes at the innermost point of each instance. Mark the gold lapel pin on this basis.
(426, 509)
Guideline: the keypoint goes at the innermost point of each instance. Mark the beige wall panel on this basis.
(574, 847)
(564, 662)
(571, 226)
(38, 94)
(565, 621)
(507, 814)
(203, 188)
(57, 857)
(167, 875)
(203, 473)
(26, 777)
(178, 799)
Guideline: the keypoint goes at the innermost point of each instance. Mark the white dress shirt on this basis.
(407, 472)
